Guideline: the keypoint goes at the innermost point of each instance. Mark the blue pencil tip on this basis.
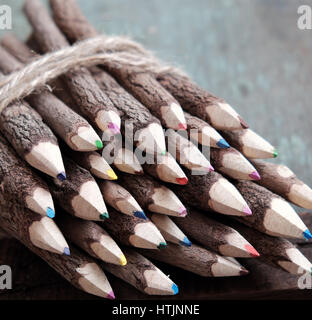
(223, 144)
(61, 176)
(307, 234)
(175, 288)
(186, 242)
(67, 251)
(140, 214)
(50, 213)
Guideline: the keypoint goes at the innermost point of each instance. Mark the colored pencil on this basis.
(78, 268)
(95, 163)
(119, 198)
(232, 163)
(153, 196)
(196, 260)
(186, 153)
(117, 152)
(133, 231)
(169, 229)
(250, 144)
(282, 181)
(165, 168)
(136, 119)
(40, 149)
(271, 213)
(91, 238)
(143, 86)
(215, 235)
(79, 194)
(143, 275)
(89, 98)
(212, 192)
(203, 133)
(278, 252)
(67, 124)
(20, 183)
(37, 230)
(201, 103)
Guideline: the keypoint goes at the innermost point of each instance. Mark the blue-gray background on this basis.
(249, 52)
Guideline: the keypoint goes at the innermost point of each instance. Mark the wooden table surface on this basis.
(249, 52)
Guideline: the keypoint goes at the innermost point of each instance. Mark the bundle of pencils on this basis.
(151, 209)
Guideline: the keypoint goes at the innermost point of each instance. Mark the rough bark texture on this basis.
(143, 86)
(131, 110)
(24, 128)
(193, 99)
(83, 88)
(121, 226)
(204, 230)
(141, 187)
(80, 232)
(234, 138)
(271, 180)
(194, 259)
(258, 199)
(196, 191)
(17, 179)
(271, 249)
(65, 191)
(133, 271)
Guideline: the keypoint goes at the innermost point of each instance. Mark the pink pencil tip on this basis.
(255, 176)
(182, 212)
(114, 128)
(111, 296)
(211, 168)
(182, 126)
(247, 211)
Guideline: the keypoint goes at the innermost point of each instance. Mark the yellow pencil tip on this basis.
(112, 174)
(123, 260)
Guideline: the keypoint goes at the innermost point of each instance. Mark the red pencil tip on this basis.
(182, 181)
(252, 251)
(182, 126)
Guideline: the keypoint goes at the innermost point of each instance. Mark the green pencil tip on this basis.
(163, 153)
(162, 245)
(104, 216)
(275, 153)
(99, 144)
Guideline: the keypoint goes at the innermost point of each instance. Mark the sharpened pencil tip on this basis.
(182, 212)
(182, 126)
(50, 213)
(275, 153)
(307, 234)
(252, 251)
(111, 173)
(67, 251)
(211, 168)
(99, 144)
(247, 211)
(123, 260)
(111, 296)
(243, 271)
(114, 128)
(140, 214)
(104, 216)
(243, 123)
(255, 176)
(61, 176)
(175, 289)
(186, 242)
(182, 181)
(163, 153)
(223, 144)
(162, 245)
